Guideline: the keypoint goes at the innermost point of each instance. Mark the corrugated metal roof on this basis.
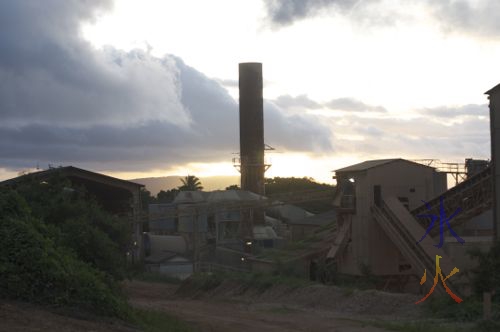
(288, 212)
(373, 163)
(233, 195)
(70, 171)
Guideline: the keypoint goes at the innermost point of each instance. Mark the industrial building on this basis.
(117, 196)
(375, 226)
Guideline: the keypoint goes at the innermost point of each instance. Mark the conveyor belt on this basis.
(473, 196)
(340, 240)
(405, 232)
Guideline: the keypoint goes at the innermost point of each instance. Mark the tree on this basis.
(280, 185)
(146, 199)
(61, 257)
(79, 223)
(191, 183)
(167, 196)
(233, 187)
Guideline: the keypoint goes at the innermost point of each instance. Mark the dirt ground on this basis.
(23, 317)
(224, 310)
(228, 308)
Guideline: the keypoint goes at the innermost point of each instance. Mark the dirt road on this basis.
(227, 308)
(231, 315)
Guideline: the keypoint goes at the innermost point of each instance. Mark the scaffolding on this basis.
(456, 170)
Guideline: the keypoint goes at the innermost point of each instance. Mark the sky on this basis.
(149, 88)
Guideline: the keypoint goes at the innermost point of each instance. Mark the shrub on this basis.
(34, 268)
(77, 222)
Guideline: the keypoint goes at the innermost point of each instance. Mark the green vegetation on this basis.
(60, 248)
(487, 274)
(38, 262)
(167, 196)
(191, 183)
(163, 196)
(157, 321)
(422, 326)
(433, 325)
(280, 185)
(471, 309)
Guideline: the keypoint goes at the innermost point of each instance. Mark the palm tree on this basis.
(190, 182)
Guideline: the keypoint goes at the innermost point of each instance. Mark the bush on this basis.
(77, 222)
(34, 268)
(487, 274)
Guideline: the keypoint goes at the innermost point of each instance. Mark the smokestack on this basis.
(494, 97)
(251, 128)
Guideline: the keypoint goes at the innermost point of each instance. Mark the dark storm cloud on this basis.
(212, 136)
(48, 74)
(480, 18)
(352, 105)
(63, 102)
(285, 12)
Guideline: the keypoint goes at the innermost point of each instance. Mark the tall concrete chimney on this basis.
(494, 97)
(251, 128)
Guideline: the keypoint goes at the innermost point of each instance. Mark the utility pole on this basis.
(195, 240)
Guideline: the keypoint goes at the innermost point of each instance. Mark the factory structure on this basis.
(376, 223)
(380, 212)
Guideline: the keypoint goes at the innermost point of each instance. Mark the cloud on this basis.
(301, 101)
(352, 105)
(228, 83)
(306, 133)
(481, 18)
(63, 102)
(285, 12)
(452, 112)
(50, 75)
(477, 17)
(381, 137)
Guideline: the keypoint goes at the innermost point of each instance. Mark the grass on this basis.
(435, 326)
(445, 315)
(470, 310)
(158, 321)
(422, 326)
